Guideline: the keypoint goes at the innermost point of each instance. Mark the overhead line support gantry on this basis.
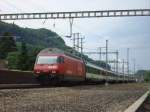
(76, 14)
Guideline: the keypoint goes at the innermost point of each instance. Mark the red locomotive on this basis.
(53, 64)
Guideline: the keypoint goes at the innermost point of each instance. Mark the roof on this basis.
(58, 51)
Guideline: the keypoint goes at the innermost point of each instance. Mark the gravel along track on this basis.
(89, 98)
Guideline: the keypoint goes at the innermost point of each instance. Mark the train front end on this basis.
(47, 67)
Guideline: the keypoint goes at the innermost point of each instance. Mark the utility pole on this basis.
(82, 46)
(71, 24)
(78, 41)
(100, 56)
(128, 72)
(106, 62)
(114, 65)
(123, 66)
(117, 61)
(100, 53)
(74, 41)
(106, 54)
(134, 64)
(123, 62)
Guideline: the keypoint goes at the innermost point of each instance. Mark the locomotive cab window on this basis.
(47, 60)
(61, 59)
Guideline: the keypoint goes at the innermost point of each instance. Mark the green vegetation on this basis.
(7, 44)
(23, 57)
(18, 55)
(145, 74)
(13, 60)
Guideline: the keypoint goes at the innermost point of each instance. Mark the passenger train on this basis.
(55, 65)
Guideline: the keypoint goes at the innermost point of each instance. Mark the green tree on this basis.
(147, 76)
(23, 57)
(32, 58)
(7, 44)
(12, 59)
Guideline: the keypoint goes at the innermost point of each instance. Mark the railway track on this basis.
(19, 86)
(38, 85)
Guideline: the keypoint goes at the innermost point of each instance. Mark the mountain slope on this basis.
(38, 37)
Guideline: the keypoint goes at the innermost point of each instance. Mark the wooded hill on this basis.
(34, 40)
(37, 37)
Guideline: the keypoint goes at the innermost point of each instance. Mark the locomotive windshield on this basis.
(47, 60)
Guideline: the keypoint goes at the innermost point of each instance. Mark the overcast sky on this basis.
(122, 33)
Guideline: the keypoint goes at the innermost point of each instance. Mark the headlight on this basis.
(52, 66)
(37, 72)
